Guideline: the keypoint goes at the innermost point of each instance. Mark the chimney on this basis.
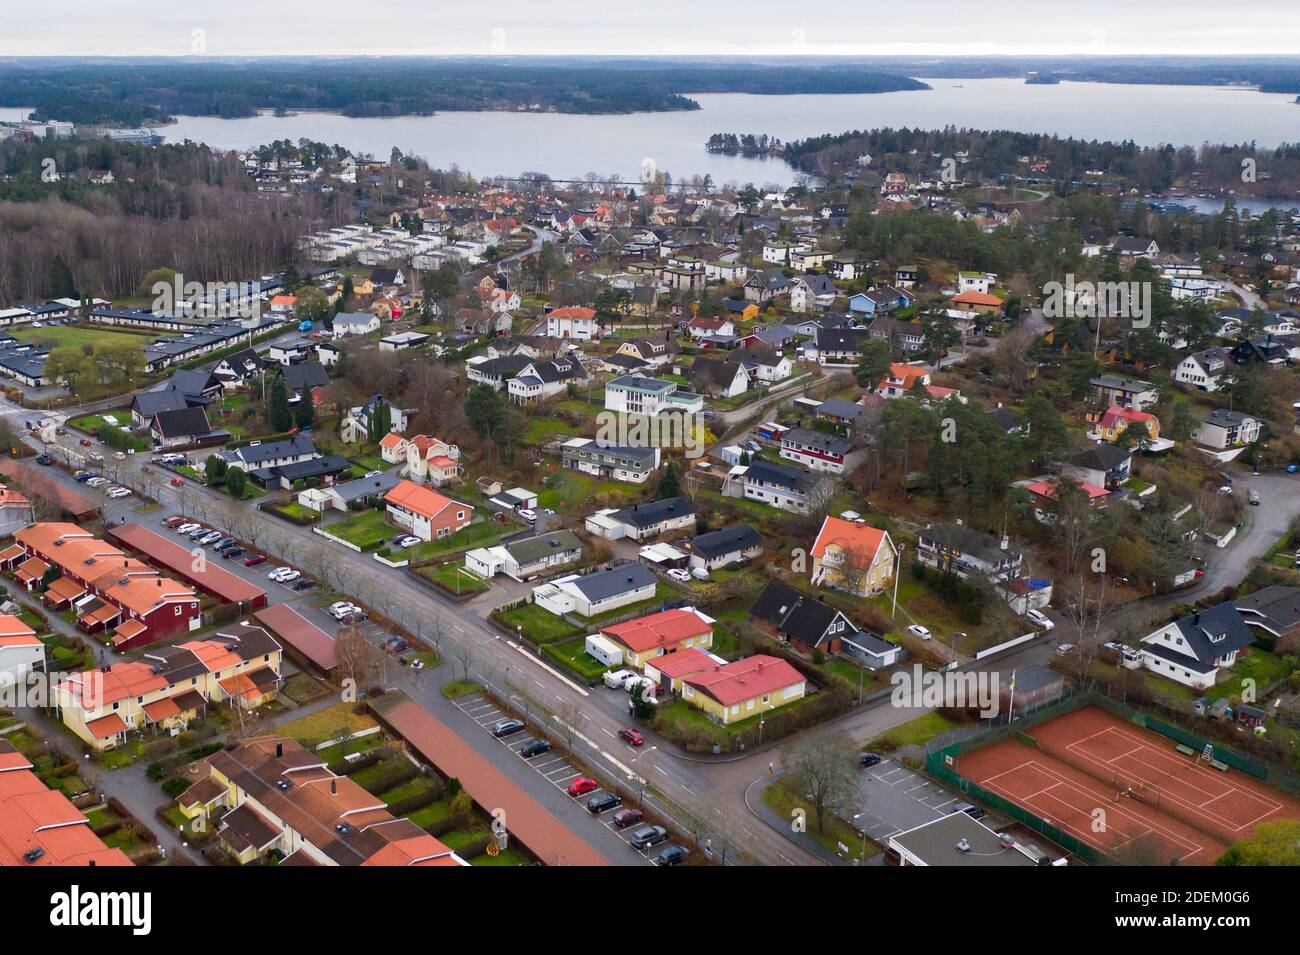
(334, 786)
(279, 749)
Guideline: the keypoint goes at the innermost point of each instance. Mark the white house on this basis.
(1223, 429)
(1204, 369)
(1193, 650)
(21, 653)
(573, 322)
(355, 323)
(597, 593)
(633, 394)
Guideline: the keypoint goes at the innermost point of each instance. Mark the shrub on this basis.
(175, 786)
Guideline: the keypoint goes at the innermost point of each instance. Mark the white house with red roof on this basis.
(902, 378)
(854, 557)
(573, 321)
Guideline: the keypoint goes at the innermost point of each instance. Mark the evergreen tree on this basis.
(278, 411)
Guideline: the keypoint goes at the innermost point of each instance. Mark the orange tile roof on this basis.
(65, 588)
(861, 541)
(95, 688)
(33, 568)
(745, 679)
(1048, 489)
(8, 496)
(160, 710)
(241, 684)
(128, 630)
(907, 374)
(572, 311)
(683, 663)
(1115, 414)
(15, 633)
(667, 628)
(391, 440)
(106, 726)
(977, 298)
(424, 501)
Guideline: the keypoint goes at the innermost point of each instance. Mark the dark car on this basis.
(303, 584)
(972, 810)
(232, 553)
(671, 855)
(869, 759)
(224, 543)
(603, 802)
(506, 727)
(628, 816)
(648, 836)
(396, 645)
(44, 459)
(535, 748)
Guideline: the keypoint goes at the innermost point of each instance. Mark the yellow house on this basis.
(646, 638)
(856, 558)
(170, 686)
(1117, 420)
(743, 689)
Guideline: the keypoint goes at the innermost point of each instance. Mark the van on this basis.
(616, 678)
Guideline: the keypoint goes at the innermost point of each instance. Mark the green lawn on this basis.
(453, 576)
(78, 336)
(837, 832)
(366, 529)
(539, 625)
(294, 509)
(1262, 667)
(458, 688)
(541, 430)
(573, 655)
(566, 490)
(917, 731)
(482, 534)
(316, 728)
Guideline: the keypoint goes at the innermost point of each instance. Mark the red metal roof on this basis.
(209, 577)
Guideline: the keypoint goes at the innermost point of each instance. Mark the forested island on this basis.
(135, 93)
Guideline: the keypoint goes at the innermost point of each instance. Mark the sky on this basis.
(737, 27)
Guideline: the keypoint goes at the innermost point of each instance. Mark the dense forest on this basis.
(132, 93)
(995, 152)
(184, 206)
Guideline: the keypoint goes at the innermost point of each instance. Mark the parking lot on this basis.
(554, 767)
(894, 799)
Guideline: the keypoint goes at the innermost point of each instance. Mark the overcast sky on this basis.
(433, 27)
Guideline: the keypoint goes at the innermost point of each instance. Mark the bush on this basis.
(447, 824)
(475, 848)
(175, 786)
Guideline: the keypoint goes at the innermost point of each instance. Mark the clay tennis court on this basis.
(1178, 805)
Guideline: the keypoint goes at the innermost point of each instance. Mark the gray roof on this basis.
(1101, 457)
(365, 487)
(645, 515)
(829, 443)
(966, 540)
(1276, 608)
(1214, 632)
(793, 479)
(839, 408)
(619, 579)
(1223, 418)
(270, 450)
(936, 842)
(359, 319)
(534, 548)
(727, 541)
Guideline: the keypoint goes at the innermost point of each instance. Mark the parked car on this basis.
(678, 573)
(396, 645)
(628, 816)
(44, 459)
(223, 544)
(1064, 649)
(254, 560)
(582, 785)
(919, 631)
(1040, 618)
(289, 577)
(529, 516)
(604, 802)
(535, 747)
(211, 537)
(631, 736)
(117, 492)
(82, 476)
(700, 573)
(972, 810)
(408, 541)
(175, 482)
(233, 552)
(1254, 497)
(187, 529)
(616, 678)
(648, 836)
(198, 532)
(86, 442)
(507, 727)
(671, 854)
(172, 522)
(869, 759)
(305, 584)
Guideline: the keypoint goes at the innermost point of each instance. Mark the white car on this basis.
(616, 678)
(526, 514)
(1040, 618)
(280, 573)
(408, 541)
(289, 578)
(118, 492)
(1064, 648)
(188, 528)
(342, 610)
(917, 630)
(678, 574)
(98, 482)
(120, 455)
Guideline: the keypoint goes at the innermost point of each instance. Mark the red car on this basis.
(176, 482)
(583, 785)
(86, 442)
(631, 736)
(254, 560)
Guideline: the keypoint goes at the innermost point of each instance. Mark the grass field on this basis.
(538, 624)
(78, 336)
(325, 724)
(573, 655)
(454, 577)
(366, 529)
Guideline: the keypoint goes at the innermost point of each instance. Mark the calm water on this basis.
(568, 146)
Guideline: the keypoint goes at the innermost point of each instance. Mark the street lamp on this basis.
(863, 829)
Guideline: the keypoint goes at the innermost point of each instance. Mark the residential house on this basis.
(837, 347)
(620, 462)
(1193, 649)
(269, 794)
(240, 368)
(817, 450)
(426, 513)
(812, 293)
(854, 557)
(1124, 392)
(1223, 429)
(966, 552)
(171, 686)
(880, 300)
(654, 352)
(596, 593)
(710, 326)
(642, 522)
(107, 589)
(716, 378)
(1130, 248)
(545, 379)
(356, 424)
(180, 427)
(349, 324)
(646, 639)
(431, 461)
(21, 652)
(15, 511)
(736, 691)
(808, 623)
(527, 557)
(976, 281)
(1116, 421)
(271, 454)
(722, 548)
(761, 287)
(790, 489)
(1274, 610)
(496, 372)
(1104, 465)
(340, 497)
(901, 380)
(573, 322)
(637, 395)
(402, 341)
(906, 337)
(299, 380)
(1204, 369)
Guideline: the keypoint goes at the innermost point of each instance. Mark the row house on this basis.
(620, 462)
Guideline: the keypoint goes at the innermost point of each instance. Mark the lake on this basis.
(570, 146)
